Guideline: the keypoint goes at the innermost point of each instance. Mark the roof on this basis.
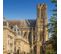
(22, 23)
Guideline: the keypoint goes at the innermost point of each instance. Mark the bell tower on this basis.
(41, 26)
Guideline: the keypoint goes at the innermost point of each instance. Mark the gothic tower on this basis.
(41, 27)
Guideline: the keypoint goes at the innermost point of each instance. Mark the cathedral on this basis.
(26, 36)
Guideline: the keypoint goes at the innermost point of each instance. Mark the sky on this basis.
(24, 9)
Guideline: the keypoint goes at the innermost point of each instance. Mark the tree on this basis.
(53, 26)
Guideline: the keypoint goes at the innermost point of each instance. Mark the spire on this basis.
(41, 8)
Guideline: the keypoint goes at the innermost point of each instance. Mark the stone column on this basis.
(27, 34)
(32, 42)
(38, 41)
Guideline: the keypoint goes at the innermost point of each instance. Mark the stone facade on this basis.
(41, 26)
(8, 39)
(26, 36)
(13, 42)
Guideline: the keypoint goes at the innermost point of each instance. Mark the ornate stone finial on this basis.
(44, 5)
(41, 5)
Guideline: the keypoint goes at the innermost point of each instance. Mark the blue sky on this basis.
(24, 9)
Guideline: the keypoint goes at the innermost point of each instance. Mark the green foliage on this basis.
(50, 52)
(54, 10)
(53, 31)
(54, 1)
(53, 27)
